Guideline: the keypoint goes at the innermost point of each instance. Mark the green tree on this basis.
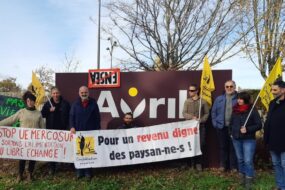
(9, 85)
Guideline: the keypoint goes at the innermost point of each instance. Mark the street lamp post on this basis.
(98, 47)
(113, 44)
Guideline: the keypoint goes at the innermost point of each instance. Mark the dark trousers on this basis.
(87, 172)
(22, 164)
(228, 159)
(52, 166)
(199, 159)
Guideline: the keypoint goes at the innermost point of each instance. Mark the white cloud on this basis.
(245, 73)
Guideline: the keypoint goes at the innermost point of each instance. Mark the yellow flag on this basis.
(265, 94)
(38, 89)
(207, 82)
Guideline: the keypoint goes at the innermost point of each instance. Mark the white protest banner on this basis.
(103, 148)
(36, 144)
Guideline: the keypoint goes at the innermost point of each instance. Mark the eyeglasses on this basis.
(229, 86)
(192, 90)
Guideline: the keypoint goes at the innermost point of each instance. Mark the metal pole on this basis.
(111, 57)
(99, 23)
(251, 109)
(111, 49)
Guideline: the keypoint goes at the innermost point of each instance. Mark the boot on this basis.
(199, 167)
(20, 178)
(51, 172)
(30, 177)
(241, 178)
(248, 183)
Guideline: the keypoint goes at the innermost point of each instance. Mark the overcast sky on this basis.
(40, 32)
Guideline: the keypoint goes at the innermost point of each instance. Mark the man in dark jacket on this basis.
(84, 116)
(128, 121)
(56, 111)
(221, 117)
(274, 132)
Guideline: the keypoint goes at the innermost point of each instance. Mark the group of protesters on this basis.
(233, 116)
(83, 115)
(236, 122)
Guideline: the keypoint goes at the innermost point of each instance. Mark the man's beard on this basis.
(84, 97)
(278, 97)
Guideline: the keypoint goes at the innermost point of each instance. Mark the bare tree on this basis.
(265, 43)
(46, 76)
(70, 64)
(178, 33)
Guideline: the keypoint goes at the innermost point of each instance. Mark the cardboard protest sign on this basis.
(9, 106)
(36, 144)
(104, 78)
(103, 148)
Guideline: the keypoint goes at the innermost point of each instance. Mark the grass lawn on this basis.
(140, 177)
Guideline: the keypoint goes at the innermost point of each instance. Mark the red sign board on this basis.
(104, 78)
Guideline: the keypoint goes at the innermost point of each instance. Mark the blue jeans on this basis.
(245, 149)
(278, 161)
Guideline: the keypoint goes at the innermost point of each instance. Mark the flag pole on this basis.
(251, 110)
(200, 106)
(49, 101)
(273, 72)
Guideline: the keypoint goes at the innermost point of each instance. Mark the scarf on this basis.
(31, 108)
(241, 108)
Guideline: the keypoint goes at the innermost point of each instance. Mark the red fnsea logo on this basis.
(104, 78)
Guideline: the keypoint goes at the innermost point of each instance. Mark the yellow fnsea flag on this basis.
(38, 89)
(207, 82)
(265, 94)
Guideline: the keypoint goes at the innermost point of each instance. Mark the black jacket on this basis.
(238, 119)
(58, 119)
(274, 127)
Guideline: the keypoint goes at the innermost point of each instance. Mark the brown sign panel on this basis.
(152, 97)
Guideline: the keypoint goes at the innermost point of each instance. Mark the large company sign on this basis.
(153, 97)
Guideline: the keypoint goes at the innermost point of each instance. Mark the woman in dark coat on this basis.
(243, 136)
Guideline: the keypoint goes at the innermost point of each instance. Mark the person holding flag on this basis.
(274, 132)
(243, 136)
(198, 109)
(56, 112)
